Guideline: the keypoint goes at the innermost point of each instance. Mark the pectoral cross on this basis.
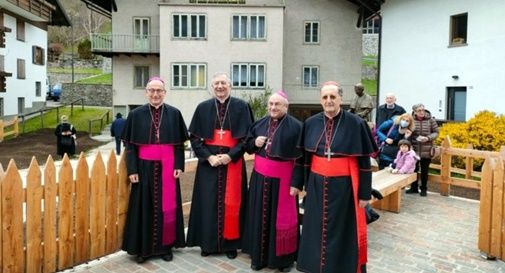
(221, 133)
(328, 153)
(269, 142)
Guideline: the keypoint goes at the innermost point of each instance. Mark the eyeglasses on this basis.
(153, 90)
(420, 110)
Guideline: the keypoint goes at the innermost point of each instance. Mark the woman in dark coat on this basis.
(65, 133)
(422, 141)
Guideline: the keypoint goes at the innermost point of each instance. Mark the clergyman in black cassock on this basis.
(154, 135)
(338, 145)
(272, 231)
(217, 132)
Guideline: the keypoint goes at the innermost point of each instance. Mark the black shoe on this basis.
(411, 191)
(377, 194)
(256, 267)
(285, 269)
(140, 259)
(423, 193)
(168, 257)
(204, 254)
(232, 254)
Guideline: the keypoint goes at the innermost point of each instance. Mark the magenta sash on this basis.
(165, 154)
(286, 226)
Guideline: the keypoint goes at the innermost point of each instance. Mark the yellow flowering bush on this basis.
(484, 131)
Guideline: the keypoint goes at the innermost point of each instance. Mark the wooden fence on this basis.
(490, 181)
(3, 125)
(72, 216)
(492, 208)
(472, 179)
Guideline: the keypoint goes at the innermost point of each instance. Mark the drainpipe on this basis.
(376, 13)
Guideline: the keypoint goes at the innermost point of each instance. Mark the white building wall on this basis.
(23, 50)
(123, 89)
(417, 63)
(218, 51)
(122, 21)
(338, 54)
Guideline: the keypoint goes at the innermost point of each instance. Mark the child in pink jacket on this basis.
(406, 158)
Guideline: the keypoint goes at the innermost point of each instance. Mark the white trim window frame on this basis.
(311, 32)
(248, 27)
(310, 76)
(248, 75)
(189, 75)
(189, 26)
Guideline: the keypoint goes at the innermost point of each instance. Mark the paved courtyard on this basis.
(433, 234)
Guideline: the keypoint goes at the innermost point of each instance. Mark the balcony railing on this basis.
(125, 43)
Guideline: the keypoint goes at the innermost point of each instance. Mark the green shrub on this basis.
(483, 131)
(259, 102)
(84, 49)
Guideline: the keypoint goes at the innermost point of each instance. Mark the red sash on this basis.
(165, 154)
(346, 166)
(233, 194)
(286, 225)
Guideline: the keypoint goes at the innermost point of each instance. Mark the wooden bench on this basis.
(390, 185)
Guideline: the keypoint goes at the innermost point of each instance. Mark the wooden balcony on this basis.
(39, 8)
(113, 44)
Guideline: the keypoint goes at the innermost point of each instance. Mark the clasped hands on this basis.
(219, 159)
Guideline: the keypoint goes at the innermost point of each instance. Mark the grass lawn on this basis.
(80, 119)
(370, 86)
(94, 71)
(105, 78)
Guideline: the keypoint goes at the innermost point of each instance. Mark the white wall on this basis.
(417, 64)
(218, 51)
(338, 54)
(23, 50)
(123, 78)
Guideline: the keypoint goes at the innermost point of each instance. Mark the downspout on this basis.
(376, 13)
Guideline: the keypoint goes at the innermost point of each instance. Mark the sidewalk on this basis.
(433, 234)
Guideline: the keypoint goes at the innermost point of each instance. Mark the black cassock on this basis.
(259, 239)
(207, 216)
(60, 148)
(329, 240)
(143, 228)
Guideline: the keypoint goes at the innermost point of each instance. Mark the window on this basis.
(38, 55)
(311, 32)
(372, 26)
(21, 105)
(248, 75)
(310, 76)
(20, 29)
(38, 89)
(1, 107)
(21, 69)
(141, 76)
(248, 27)
(189, 26)
(459, 25)
(189, 75)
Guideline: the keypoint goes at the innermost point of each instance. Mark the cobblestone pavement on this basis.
(433, 234)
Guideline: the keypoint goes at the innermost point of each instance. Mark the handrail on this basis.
(105, 115)
(47, 109)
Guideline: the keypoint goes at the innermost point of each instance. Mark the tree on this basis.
(83, 20)
(259, 102)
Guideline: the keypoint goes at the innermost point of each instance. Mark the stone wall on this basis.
(93, 94)
(55, 78)
(370, 44)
